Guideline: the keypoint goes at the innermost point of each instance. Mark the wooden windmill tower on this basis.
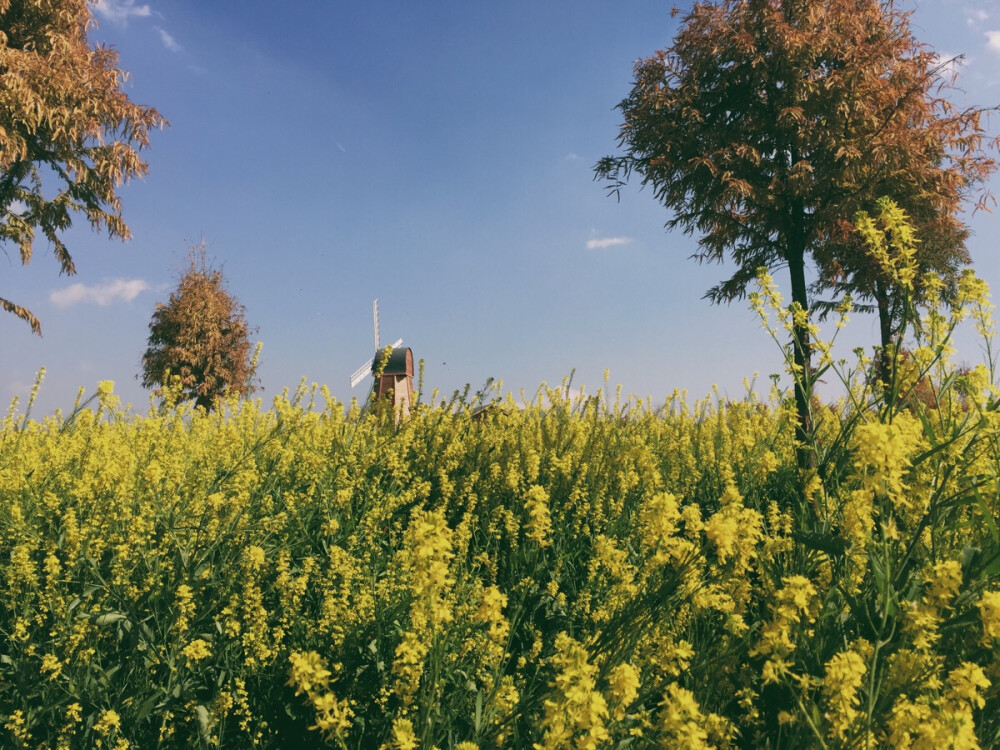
(396, 378)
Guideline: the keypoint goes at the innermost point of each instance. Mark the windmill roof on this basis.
(400, 361)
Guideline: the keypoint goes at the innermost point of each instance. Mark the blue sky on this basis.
(438, 156)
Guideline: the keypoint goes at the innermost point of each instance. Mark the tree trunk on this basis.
(886, 367)
(802, 346)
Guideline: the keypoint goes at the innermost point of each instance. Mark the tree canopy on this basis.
(201, 337)
(63, 116)
(768, 124)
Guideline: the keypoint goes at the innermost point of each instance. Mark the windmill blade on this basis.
(375, 316)
(366, 368)
(361, 372)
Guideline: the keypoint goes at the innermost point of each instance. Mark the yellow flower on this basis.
(197, 650)
(624, 683)
(74, 713)
(427, 556)
(254, 557)
(184, 601)
(734, 530)
(921, 623)
(576, 711)
(492, 605)
(51, 665)
(891, 241)
(308, 672)
(539, 524)
(943, 722)
(109, 722)
(989, 614)
(16, 726)
(882, 455)
(408, 665)
(844, 675)
(659, 519)
(793, 606)
(491, 612)
(681, 719)
(944, 583)
(965, 682)
(767, 464)
(857, 519)
(403, 737)
(333, 716)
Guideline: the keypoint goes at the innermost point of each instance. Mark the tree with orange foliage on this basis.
(768, 124)
(64, 115)
(200, 337)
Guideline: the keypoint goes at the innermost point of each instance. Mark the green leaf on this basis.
(991, 568)
(203, 721)
(831, 544)
(991, 523)
(109, 618)
(146, 708)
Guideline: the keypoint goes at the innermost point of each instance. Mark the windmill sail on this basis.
(366, 368)
(361, 372)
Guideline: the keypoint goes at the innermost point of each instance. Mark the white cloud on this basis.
(993, 38)
(571, 156)
(168, 41)
(973, 17)
(602, 242)
(119, 11)
(116, 290)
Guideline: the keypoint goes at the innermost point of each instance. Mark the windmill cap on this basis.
(400, 361)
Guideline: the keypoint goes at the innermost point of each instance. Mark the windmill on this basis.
(397, 375)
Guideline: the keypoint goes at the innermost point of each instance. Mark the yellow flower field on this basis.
(585, 574)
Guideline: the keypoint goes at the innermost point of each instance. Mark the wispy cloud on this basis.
(168, 41)
(601, 242)
(119, 11)
(572, 157)
(975, 16)
(116, 290)
(993, 40)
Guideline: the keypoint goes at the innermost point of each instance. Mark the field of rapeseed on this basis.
(587, 573)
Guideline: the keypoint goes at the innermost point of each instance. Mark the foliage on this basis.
(64, 116)
(200, 337)
(767, 122)
(554, 574)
